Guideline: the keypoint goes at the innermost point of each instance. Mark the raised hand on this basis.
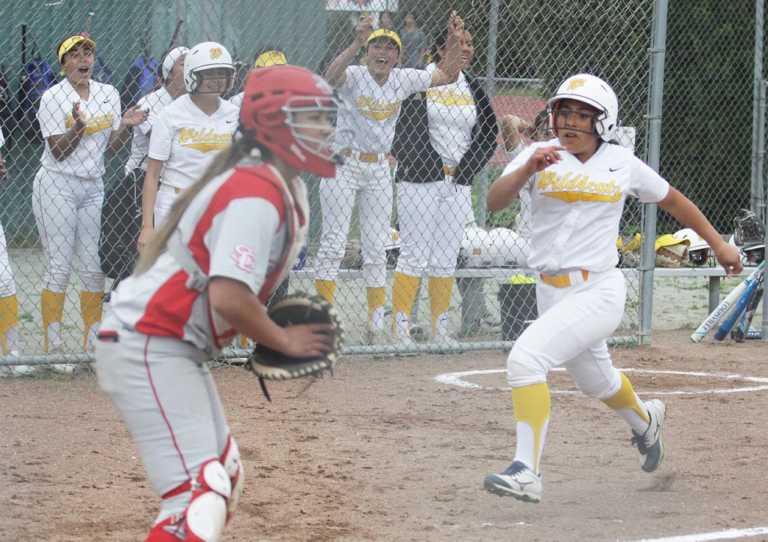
(544, 157)
(134, 116)
(363, 30)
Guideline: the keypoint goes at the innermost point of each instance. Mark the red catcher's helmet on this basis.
(274, 99)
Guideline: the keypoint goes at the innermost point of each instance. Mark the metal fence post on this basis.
(756, 186)
(490, 87)
(656, 88)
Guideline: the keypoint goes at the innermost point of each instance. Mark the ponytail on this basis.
(225, 160)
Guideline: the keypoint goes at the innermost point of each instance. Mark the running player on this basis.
(578, 184)
(79, 118)
(365, 133)
(444, 137)
(188, 133)
(205, 276)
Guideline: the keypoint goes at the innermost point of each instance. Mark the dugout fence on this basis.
(700, 64)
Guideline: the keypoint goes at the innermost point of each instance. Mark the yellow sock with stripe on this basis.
(52, 307)
(9, 317)
(531, 408)
(440, 289)
(90, 310)
(326, 289)
(376, 298)
(404, 291)
(629, 406)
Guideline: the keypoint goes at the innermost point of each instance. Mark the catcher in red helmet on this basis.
(203, 278)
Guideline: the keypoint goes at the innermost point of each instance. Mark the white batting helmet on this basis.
(698, 248)
(507, 248)
(595, 92)
(206, 56)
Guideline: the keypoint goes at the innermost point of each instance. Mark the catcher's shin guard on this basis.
(230, 458)
(206, 515)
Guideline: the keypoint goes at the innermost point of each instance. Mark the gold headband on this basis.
(270, 58)
(70, 42)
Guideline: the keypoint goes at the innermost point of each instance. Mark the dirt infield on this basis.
(383, 451)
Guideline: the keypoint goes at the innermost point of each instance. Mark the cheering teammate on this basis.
(79, 118)
(205, 276)
(578, 185)
(443, 138)
(366, 128)
(188, 132)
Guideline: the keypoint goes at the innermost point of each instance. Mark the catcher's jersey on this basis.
(452, 115)
(576, 207)
(236, 227)
(154, 102)
(367, 124)
(187, 139)
(102, 115)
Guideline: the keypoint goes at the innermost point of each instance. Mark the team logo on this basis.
(244, 258)
(215, 53)
(573, 84)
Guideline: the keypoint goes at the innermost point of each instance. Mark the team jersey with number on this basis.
(187, 139)
(154, 102)
(367, 124)
(452, 115)
(102, 114)
(576, 207)
(236, 227)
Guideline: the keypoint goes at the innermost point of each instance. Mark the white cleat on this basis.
(651, 444)
(517, 481)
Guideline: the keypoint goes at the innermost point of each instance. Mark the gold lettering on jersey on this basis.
(571, 187)
(378, 110)
(450, 98)
(576, 83)
(205, 140)
(93, 124)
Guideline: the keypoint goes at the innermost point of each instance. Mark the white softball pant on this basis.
(165, 394)
(67, 211)
(166, 195)
(373, 183)
(431, 217)
(571, 331)
(7, 285)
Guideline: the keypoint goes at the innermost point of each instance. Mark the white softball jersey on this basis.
(577, 207)
(187, 139)
(452, 115)
(236, 227)
(102, 115)
(367, 124)
(153, 103)
(237, 100)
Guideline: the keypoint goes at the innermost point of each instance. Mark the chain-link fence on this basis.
(401, 239)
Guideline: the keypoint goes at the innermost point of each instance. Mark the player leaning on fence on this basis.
(79, 119)
(366, 127)
(578, 184)
(444, 137)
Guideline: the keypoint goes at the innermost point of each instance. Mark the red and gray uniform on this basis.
(160, 330)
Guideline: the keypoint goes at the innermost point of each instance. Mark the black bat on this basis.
(175, 35)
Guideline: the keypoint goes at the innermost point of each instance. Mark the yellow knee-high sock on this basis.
(9, 317)
(90, 309)
(440, 289)
(376, 299)
(629, 406)
(531, 406)
(52, 307)
(326, 289)
(404, 290)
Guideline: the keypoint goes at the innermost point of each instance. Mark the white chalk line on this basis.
(457, 379)
(729, 534)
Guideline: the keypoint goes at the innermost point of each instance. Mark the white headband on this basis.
(171, 58)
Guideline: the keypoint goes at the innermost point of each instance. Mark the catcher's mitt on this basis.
(749, 229)
(298, 308)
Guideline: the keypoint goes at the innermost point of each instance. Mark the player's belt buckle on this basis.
(449, 171)
(177, 189)
(564, 280)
